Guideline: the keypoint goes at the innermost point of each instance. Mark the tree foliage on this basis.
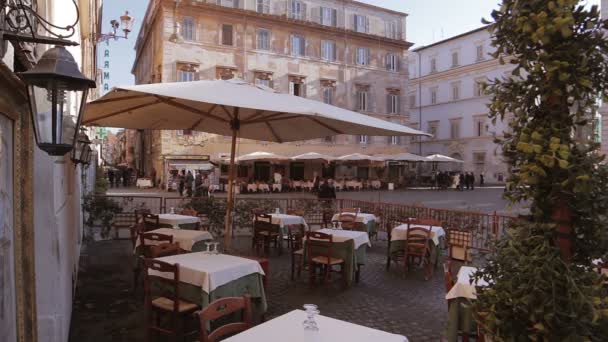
(559, 55)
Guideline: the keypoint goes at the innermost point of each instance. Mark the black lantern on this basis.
(57, 94)
(82, 149)
(86, 156)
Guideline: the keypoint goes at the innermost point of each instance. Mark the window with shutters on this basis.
(479, 52)
(263, 78)
(186, 72)
(328, 95)
(433, 95)
(298, 45)
(297, 10)
(392, 30)
(362, 99)
(433, 64)
(433, 128)
(363, 56)
(263, 6)
(393, 101)
(363, 139)
(329, 16)
(328, 50)
(478, 89)
(455, 91)
(480, 127)
(455, 59)
(228, 3)
(227, 35)
(455, 128)
(479, 158)
(263, 39)
(188, 28)
(392, 62)
(297, 86)
(412, 101)
(393, 140)
(361, 23)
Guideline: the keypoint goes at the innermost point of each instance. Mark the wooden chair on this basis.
(188, 212)
(348, 210)
(167, 303)
(265, 233)
(319, 248)
(158, 238)
(459, 243)
(257, 212)
(122, 221)
(448, 278)
(205, 223)
(164, 249)
(327, 217)
(139, 214)
(134, 231)
(417, 248)
(425, 222)
(224, 307)
(296, 212)
(151, 222)
(294, 243)
(347, 220)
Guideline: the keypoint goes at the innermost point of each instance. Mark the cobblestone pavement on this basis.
(106, 310)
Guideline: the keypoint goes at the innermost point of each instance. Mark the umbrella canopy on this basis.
(233, 108)
(260, 156)
(403, 157)
(359, 156)
(216, 106)
(442, 158)
(313, 156)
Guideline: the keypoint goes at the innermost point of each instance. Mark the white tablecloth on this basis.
(263, 187)
(277, 187)
(144, 183)
(400, 232)
(360, 238)
(376, 184)
(186, 238)
(361, 217)
(252, 187)
(214, 187)
(297, 184)
(308, 185)
(463, 287)
(339, 185)
(288, 327)
(284, 220)
(175, 220)
(210, 271)
(354, 184)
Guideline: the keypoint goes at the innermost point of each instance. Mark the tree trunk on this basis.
(562, 216)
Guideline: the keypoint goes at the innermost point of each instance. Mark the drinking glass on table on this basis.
(310, 323)
(207, 247)
(172, 210)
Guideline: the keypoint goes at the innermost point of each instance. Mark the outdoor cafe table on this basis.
(144, 183)
(350, 246)
(189, 240)
(277, 187)
(288, 327)
(252, 187)
(354, 184)
(376, 184)
(178, 221)
(207, 277)
(399, 236)
(284, 220)
(460, 313)
(367, 219)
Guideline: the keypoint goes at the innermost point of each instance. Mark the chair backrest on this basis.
(151, 221)
(123, 220)
(264, 217)
(328, 214)
(459, 242)
(348, 210)
(448, 278)
(417, 242)
(347, 220)
(221, 308)
(296, 212)
(139, 214)
(158, 238)
(263, 225)
(164, 249)
(319, 244)
(257, 212)
(295, 234)
(171, 284)
(188, 212)
(425, 222)
(135, 230)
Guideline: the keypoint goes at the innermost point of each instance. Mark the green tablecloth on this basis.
(345, 250)
(460, 318)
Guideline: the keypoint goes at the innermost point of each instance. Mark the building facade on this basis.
(446, 99)
(40, 195)
(345, 53)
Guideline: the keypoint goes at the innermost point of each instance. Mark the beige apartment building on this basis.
(345, 53)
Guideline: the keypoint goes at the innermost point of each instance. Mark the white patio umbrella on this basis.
(313, 156)
(359, 156)
(233, 108)
(410, 157)
(260, 156)
(441, 158)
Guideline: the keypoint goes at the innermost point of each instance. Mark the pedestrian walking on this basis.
(461, 181)
(206, 185)
(481, 180)
(111, 177)
(198, 185)
(472, 181)
(326, 191)
(189, 183)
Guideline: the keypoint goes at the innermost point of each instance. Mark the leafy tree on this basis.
(543, 285)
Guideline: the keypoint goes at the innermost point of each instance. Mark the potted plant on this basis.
(542, 285)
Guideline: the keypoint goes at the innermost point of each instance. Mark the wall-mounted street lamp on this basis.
(126, 24)
(55, 84)
(81, 154)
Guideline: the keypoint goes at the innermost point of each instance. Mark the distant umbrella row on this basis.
(409, 157)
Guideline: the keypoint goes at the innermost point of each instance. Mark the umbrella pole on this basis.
(230, 202)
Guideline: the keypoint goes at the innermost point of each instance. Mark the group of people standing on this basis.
(459, 181)
(193, 185)
(118, 177)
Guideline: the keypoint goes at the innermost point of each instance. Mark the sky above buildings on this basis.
(429, 21)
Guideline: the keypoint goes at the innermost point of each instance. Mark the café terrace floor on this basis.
(105, 308)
